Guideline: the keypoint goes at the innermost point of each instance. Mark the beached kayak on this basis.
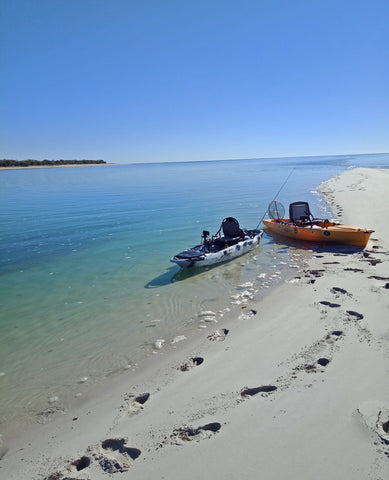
(303, 226)
(220, 248)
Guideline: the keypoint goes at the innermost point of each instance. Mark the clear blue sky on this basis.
(177, 80)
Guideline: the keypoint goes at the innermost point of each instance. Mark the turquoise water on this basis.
(86, 283)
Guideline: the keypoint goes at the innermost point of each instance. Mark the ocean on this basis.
(87, 290)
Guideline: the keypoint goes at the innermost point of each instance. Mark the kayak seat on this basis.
(223, 242)
(231, 228)
(300, 213)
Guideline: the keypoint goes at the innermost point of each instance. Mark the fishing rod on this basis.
(282, 186)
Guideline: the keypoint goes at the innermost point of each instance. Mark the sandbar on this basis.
(299, 389)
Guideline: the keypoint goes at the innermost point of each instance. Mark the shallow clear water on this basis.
(86, 286)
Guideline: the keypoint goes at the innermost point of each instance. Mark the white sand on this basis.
(322, 422)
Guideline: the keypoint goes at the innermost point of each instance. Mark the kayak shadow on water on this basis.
(177, 274)
(316, 247)
(228, 269)
(163, 279)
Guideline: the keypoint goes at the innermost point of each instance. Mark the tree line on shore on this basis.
(33, 163)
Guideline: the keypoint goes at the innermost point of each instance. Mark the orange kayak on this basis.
(320, 231)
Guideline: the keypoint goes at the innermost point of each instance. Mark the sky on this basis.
(190, 80)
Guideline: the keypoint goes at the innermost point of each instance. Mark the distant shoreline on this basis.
(33, 167)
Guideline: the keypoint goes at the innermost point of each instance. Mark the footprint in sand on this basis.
(313, 367)
(218, 335)
(330, 304)
(333, 336)
(75, 466)
(249, 392)
(371, 260)
(142, 399)
(188, 434)
(355, 315)
(81, 463)
(376, 277)
(315, 273)
(323, 362)
(316, 357)
(114, 456)
(133, 404)
(193, 362)
(339, 290)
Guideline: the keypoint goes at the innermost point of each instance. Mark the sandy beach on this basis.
(297, 388)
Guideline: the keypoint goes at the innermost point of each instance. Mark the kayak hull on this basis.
(321, 231)
(198, 257)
